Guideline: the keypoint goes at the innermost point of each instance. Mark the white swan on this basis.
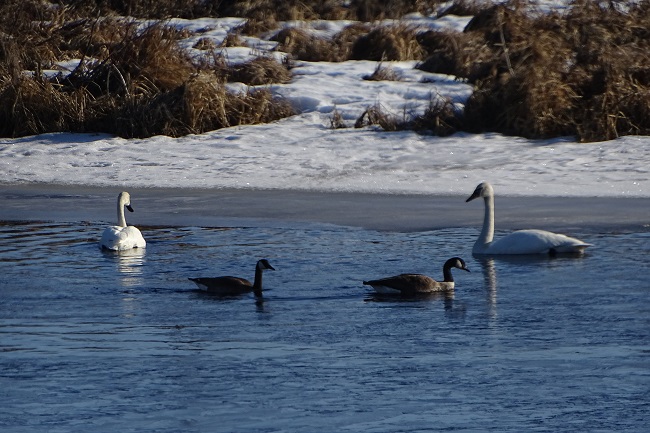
(522, 241)
(122, 237)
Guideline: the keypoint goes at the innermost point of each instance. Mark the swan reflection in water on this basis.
(490, 281)
(489, 265)
(130, 264)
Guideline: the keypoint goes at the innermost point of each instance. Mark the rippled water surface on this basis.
(103, 342)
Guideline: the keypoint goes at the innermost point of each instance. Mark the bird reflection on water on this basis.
(129, 264)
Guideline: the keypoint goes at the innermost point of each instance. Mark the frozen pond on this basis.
(101, 342)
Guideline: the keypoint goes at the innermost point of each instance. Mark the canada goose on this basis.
(522, 241)
(411, 284)
(228, 286)
(122, 237)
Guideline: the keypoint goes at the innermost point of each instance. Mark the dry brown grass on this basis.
(234, 39)
(336, 120)
(388, 43)
(145, 61)
(372, 10)
(200, 104)
(132, 81)
(448, 53)
(383, 73)
(265, 14)
(583, 73)
(355, 42)
(376, 115)
(31, 106)
(441, 118)
(148, 9)
(259, 71)
(304, 46)
(205, 44)
(463, 8)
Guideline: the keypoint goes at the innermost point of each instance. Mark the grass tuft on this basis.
(259, 71)
(388, 43)
(383, 73)
(581, 73)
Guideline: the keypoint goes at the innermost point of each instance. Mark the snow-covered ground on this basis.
(303, 152)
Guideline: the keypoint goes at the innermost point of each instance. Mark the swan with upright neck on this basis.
(230, 286)
(521, 241)
(122, 237)
(413, 284)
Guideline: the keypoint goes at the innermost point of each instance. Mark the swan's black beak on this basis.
(475, 194)
(130, 209)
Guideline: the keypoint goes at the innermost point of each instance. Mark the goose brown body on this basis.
(407, 284)
(230, 286)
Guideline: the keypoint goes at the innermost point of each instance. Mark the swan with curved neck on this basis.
(522, 241)
(412, 284)
(122, 237)
(230, 286)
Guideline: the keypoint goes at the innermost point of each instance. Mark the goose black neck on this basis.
(257, 283)
(446, 272)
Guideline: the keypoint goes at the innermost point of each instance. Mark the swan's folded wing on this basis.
(111, 238)
(122, 238)
(536, 242)
(134, 237)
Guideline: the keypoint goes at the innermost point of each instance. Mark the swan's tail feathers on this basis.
(570, 248)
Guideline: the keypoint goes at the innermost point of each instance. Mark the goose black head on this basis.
(458, 263)
(264, 265)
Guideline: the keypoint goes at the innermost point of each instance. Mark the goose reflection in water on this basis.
(451, 306)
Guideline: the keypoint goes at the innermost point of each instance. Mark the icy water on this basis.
(103, 342)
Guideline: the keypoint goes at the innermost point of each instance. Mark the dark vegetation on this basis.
(133, 81)
(583, 72)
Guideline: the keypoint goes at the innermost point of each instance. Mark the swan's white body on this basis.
(122, 237)
(522, 241)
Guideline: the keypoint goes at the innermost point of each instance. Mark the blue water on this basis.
(103, 342)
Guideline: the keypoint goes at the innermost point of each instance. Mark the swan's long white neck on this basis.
(487, 232)
(121, 221)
